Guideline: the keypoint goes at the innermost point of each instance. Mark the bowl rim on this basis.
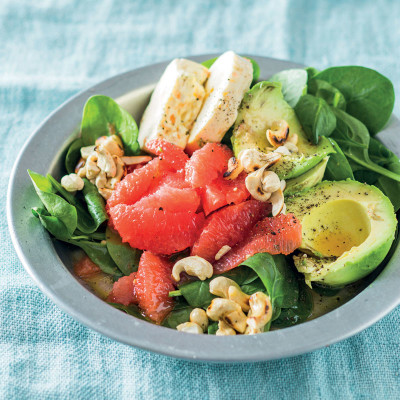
(56, 282)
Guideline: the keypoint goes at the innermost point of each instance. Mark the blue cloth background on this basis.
(49, 50)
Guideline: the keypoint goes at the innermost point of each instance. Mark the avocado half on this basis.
(261, 106)
(348, 228)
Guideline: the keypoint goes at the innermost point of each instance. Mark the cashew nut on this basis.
(106, 193)
(283, 150)
(278, 133)
(87, 151)
(229, 312)
(293, 138)
(235, 168)
(105, 162)
(278, 201)
(283, 185)
(120, 172)
(291, 147)
(260, 311)
(101, 180)
(252, 159)
(270, 182)
(224, 329)
(239, 297)
(222, 251)
(254, 185)
(199, 317)
(81, 163)
(92, 170)
(193, 266)
(219, 286)
(72, 182)
(112, 144)
(133, 160)
(190, 327)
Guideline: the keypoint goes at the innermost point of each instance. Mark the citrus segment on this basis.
(277, 235)
(207, 164)
(228, 226)
(152, 286)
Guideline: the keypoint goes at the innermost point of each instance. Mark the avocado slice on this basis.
(308, 179)
(348, 228)
(260, 107)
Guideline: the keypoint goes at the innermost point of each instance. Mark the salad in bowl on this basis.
(236, 205)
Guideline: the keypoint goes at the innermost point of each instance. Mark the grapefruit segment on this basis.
(171, 154)
(222, 192)
(207, 164)
(155, 229)
(153, 284)
(228, 226)
(136, 184)
(171, 199)
(277, 235)
(123, 291)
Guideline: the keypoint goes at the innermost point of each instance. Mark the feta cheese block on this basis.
(174, 104)
(230, 78)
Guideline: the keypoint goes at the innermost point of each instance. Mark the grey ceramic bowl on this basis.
(50, 264)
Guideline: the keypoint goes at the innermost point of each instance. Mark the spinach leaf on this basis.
(212, 328)
(95, 203)
(277, 276)
(353, 138)
(337, 168)
(294, 84)
(73, 155)
(131, 310)
(197, 293)
(326, 91)
(177, 317)
(53, 224)
(379, 154)
(126, 257)
(88, 220)
(98, 253)
(256, 67)
(102, 116)
(55, 205)
(311, 72)
(253, 287)
(315, 116)
(369, 95)
(298, 313)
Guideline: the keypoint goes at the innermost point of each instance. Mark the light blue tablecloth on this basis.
(49, 50)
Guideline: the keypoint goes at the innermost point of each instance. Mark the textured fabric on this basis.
(49, 50)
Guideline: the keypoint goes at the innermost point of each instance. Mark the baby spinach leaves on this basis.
(126, 257)
(294, 84)
(98, 253)
(299, 312)
(130, 310)
(73, 155)
(369, 95)
(326, 91)
(353, 138)
(102, 116)
(277, 277)
(337, 168)
(315, 116)
(54, 204)
(91, 216)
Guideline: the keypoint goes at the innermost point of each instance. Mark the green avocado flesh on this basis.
(261, 106)
(348, 228)
(309, 179)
